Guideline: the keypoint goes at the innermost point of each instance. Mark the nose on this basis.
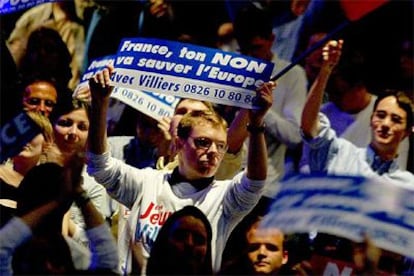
(213, 148)
(42, 107)
(262, 250)
(189, 241)
(73, 130)
(386, 122)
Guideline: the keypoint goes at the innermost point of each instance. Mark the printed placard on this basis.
(154, 105)
(15, 134)
(347, 207)
(189, 71)
(322, 265)
(95, 66)
(10, 6)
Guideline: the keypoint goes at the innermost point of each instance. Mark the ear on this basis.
(285, 257)
(179, 143)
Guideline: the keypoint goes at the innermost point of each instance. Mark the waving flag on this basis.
(353, 10)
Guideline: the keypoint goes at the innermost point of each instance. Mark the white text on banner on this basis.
(154, 105)
(189, 71)
(95, 66)
(151, 104)
(349, 207)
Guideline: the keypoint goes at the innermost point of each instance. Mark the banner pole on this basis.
(311, 49)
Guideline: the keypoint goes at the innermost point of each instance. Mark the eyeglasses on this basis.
(205, 143)
(37, 101)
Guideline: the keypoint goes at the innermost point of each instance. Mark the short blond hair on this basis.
(198, 117)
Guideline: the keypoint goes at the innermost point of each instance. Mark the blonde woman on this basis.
(13, 171)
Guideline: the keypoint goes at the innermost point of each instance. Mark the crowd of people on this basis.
(186, 194)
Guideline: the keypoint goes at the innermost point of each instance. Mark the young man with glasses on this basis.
(152, 195)
(233, 156)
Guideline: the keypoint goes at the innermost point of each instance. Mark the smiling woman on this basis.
(71, 126)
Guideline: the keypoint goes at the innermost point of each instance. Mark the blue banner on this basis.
(95, 66)
(10, 6)
(155, 105)
(15, 134)
(347, 207)
(189, 71)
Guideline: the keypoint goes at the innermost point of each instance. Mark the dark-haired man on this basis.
(391, 122)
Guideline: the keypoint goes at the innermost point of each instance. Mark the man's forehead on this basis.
(190, 105)
(390, 104)
(206, 128)
(44, 88)
(257, 230)
(204, 125)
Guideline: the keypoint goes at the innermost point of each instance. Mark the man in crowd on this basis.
(152, 195)
(391, 122)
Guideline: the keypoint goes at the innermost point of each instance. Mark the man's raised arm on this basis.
(100, 91)
(310, 121)
(257, 153)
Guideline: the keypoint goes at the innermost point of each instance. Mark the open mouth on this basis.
(383, 135)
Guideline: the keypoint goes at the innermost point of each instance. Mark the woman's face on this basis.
(188, 241)
(71, 131)
(33, 148)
